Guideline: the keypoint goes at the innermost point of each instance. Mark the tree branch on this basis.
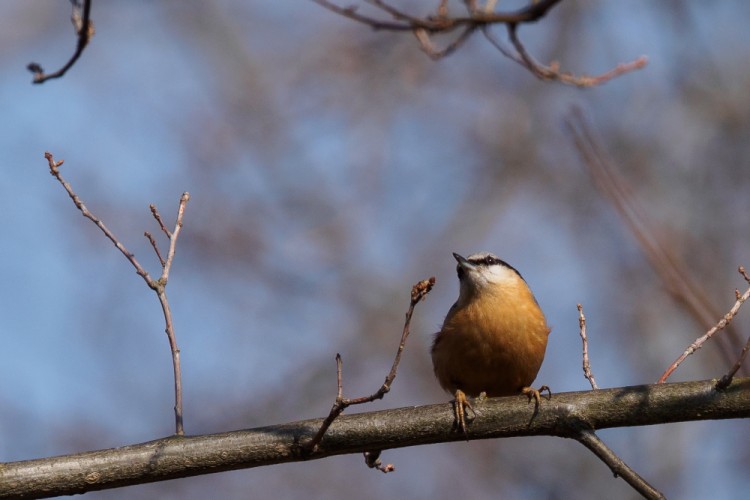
(564, 416)
(722, 324)
(590, 440)
(418, 292)
(84, 27)
(439, 24)
(158, 286)
(478, 18)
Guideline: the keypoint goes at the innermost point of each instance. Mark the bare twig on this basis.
(169, 329)
(84, 27)
(590, 440)
(418, 292)
(586, 364)
(724, 382)
(155, 247)
(478, 18)
(55, 171)
(425, 43)
(158, 285)
(723, 322)
(553, 72)
(440, 23)
(372, 459)
(158, 218)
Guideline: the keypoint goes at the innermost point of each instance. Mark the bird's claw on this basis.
(460, 405)
(536, 394)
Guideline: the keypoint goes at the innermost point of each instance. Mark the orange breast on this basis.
(493, 344)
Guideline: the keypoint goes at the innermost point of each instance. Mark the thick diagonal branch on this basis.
(176, 457)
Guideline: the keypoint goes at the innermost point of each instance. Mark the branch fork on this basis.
(372, 458)
(157, 285)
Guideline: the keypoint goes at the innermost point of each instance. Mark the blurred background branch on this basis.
(479, 17)
(84, 28)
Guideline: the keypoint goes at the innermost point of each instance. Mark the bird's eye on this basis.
(491, 260)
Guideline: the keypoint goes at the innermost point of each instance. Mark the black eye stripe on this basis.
(491, 260)
(488, 261)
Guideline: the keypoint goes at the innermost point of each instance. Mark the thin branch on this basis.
(157, 216)
(151, 240)
(586, 364)
(418, 292)
(372, 459)
(726, 380)
(590, 440)
(174, 457)
(478, 18)
(553, 72)
(161, 292)
(723, 322)
(440, 23)
(425, 43)
(84, 27)
(54, 169)
(173, 236)
(158, 286)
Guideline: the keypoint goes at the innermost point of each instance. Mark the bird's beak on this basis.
(463, 262)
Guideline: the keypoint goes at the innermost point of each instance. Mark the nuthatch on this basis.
(494, 337)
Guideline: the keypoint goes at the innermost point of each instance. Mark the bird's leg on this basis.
(460, 404)
(536, 394)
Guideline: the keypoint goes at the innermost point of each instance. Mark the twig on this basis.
(586, 364)
(418, 292)
(55, 171)
(425, 43)
(590, 440)
(441, 23)
(478, 18)
(84, 27)
(552, 72)
(158, 218)
(169, 329)
(155, 247)
(723, 322)
(158, 285)
(372, 459)
(724, 382)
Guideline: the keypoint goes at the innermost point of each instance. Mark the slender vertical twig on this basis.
(586, 363)
(418, 292)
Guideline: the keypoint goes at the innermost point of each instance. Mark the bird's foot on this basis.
(536, 394)
(460, 405)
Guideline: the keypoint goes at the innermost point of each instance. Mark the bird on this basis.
(493, 339)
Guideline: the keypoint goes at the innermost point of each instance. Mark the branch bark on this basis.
(181, 456)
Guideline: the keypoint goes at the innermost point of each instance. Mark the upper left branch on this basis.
(84, 26)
